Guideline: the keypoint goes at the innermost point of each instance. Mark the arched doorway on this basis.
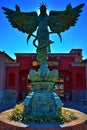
(59, 86)
(29, 85)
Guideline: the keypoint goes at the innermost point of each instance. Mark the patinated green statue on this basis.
(58, 21)
(43, 101)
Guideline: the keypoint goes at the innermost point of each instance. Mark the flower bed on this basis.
(18, 114)
(79, 124)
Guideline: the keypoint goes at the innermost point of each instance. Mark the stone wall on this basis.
(6, 124)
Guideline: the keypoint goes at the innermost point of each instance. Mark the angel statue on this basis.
(29, 22)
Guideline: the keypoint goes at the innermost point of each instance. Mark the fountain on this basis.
(42, 101)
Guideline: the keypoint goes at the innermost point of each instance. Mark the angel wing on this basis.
(25, 22)
(59, 21)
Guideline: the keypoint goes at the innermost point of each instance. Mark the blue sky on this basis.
(13, 41)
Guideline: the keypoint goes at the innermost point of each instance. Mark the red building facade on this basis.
(70, 67)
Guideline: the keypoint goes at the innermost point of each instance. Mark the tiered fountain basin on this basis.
(43, 101)
(7, 124)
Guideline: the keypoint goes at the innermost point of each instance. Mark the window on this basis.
(79, 80)
(11, 79)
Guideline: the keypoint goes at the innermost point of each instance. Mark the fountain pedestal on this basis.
(43, 101)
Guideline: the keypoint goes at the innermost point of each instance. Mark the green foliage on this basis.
(68, 115)
(42, 119)
(18, 114)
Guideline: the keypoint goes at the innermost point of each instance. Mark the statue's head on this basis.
(43, 8)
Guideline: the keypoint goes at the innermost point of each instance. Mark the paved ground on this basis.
(74, 105)
(4, 107)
